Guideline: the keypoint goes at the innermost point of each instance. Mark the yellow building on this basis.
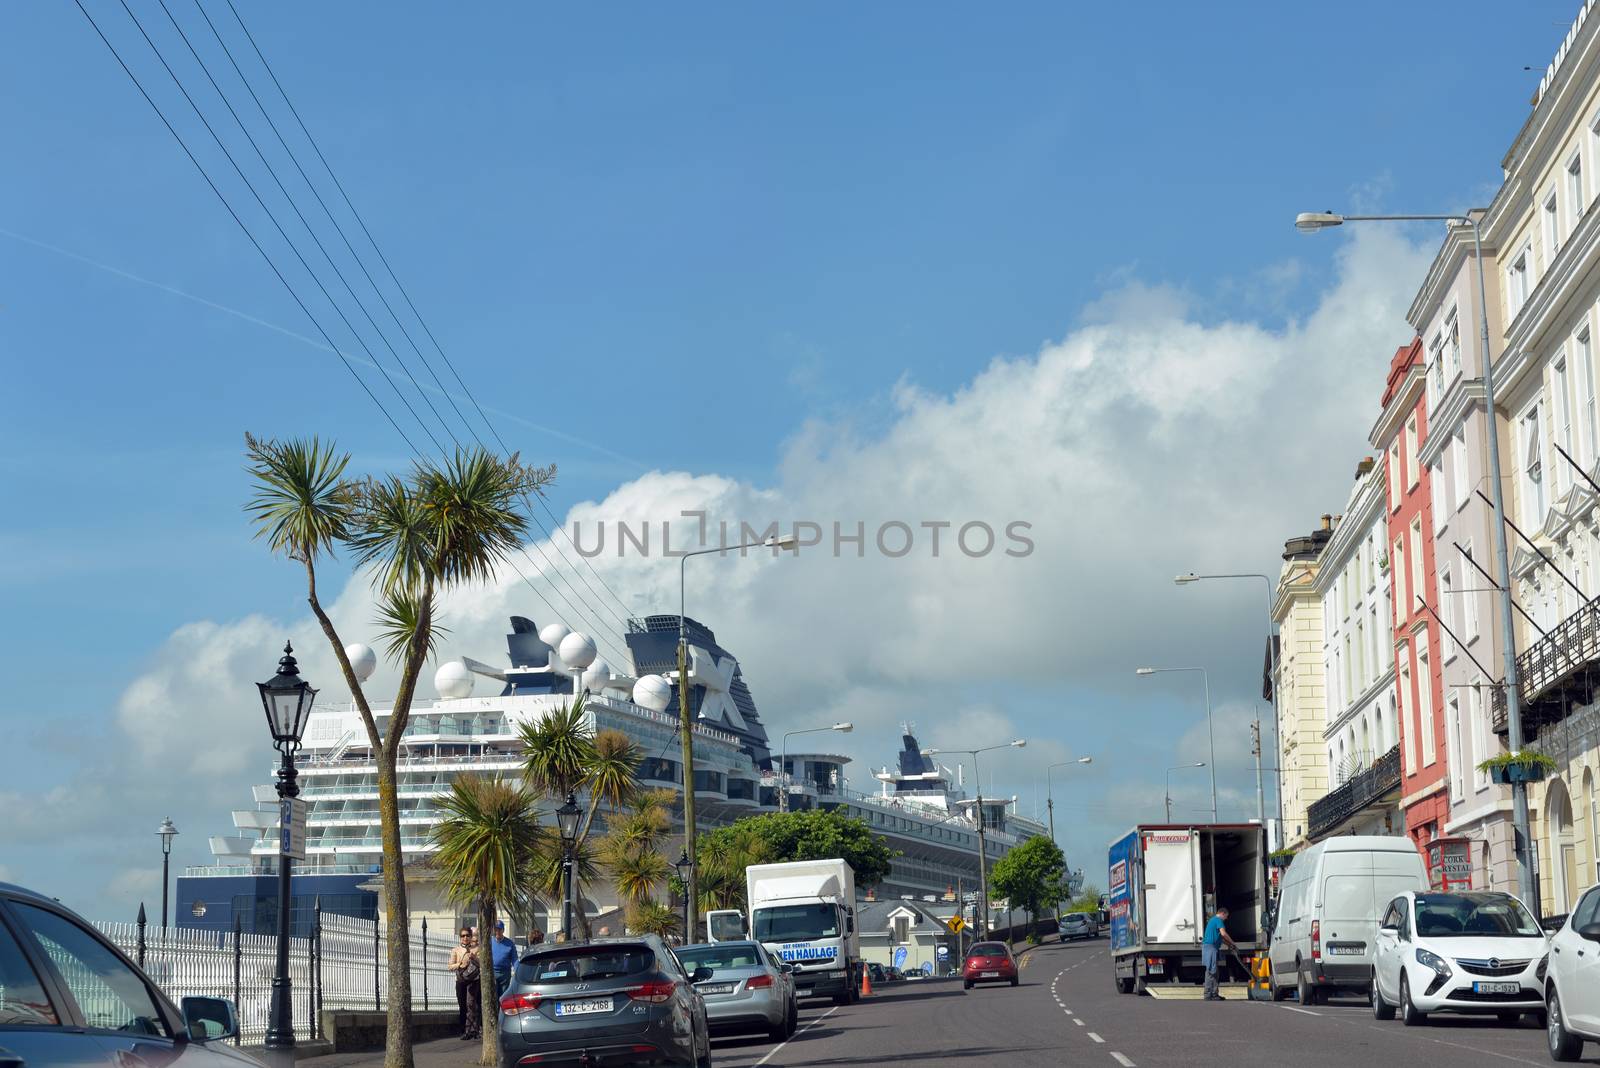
(1301, 681)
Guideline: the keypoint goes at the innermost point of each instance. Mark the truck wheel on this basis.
(1308, 993)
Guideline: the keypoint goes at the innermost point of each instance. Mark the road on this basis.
(1066, 1012)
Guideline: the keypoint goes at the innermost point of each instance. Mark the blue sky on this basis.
(765, 219)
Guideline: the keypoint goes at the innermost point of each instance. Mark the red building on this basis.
(1413, 591)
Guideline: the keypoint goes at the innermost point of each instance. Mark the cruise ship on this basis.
(920, 808)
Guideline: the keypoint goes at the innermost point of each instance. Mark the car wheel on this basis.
(1564, 1045)
(1308, 993)
(1015, 980)
(1408, 1009)
(966, 984)
(1381, 1009)
(794, 1019)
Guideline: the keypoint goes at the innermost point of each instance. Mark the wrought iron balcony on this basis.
(1554, 673)
(1362, 791)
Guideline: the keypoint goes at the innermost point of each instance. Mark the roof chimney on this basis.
(1327, 521)
(1364, 467)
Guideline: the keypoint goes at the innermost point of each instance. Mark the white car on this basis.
(1572, 987)
(1468, 952)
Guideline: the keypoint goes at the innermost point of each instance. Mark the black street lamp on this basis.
(167, 832)
(287, 699)
(683, 866)
(567, 821)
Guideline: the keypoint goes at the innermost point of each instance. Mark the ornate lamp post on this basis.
(683, 866)
(567, 822)
(286, 698)
(166, 832)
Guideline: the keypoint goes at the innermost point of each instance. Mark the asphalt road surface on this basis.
(1067, 1012)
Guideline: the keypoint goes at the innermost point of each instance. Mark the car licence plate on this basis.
(584, 1007)
(715, 988)
(988, 975)
(1497, 988)
(1346, 950)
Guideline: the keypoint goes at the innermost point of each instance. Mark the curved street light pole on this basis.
(783, 766)
(1311, 222)
(977, 811)
(1049, 795)
(1180, 767)
(1211, 738)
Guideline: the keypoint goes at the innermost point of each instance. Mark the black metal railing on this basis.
(1554, 673)
(1360, 792)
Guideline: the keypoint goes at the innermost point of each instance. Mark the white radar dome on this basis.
(652, 692)
(577, 651)
(597, 676)
(552, 633)
(363, 661)
(453, 680)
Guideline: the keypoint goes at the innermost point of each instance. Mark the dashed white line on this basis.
(1121, 1059)
(1096, 1037)
(1077, 1021)
(773, 1052)
(1291, 1008)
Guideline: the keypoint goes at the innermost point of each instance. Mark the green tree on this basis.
(1087, 901)
(444, 524)
(818, 834)
(1031, 876)
(631, 853)
(488, 838)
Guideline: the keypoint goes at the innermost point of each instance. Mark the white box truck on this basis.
(807, 909)
(1166, 880)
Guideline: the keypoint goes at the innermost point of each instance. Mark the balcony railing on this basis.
(1360, 792)
(1553, 674)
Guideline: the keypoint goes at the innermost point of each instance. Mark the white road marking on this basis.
(1121, 1059)
(1096, 1037)
(1077, 1021)
(1291, 1008)
(773, 1052)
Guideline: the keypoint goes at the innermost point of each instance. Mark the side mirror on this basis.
(700, 974)
(786, 969)
(210, 1019)
(1389, 929)
(1590, 932)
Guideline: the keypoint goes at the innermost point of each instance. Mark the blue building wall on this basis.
(254, 900)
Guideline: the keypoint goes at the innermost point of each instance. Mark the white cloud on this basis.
(1147, 441)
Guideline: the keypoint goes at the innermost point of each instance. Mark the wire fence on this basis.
(343, 965)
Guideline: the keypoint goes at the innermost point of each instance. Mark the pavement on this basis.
(1067, 1011)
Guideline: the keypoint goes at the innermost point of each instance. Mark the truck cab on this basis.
(806, 910)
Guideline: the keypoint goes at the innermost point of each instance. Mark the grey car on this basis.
(1078, 925)
(612, 1001)
(748, 989)
(68, 997)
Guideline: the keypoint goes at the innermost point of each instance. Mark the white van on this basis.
(1328, 908)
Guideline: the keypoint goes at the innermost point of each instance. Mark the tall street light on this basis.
(1211, 738)
(166, 832)
(1049, 796)
(783, 768)
(1311, 222)
(983, 849)
(287, 699)
(1180, 767)
(1277, 729)
(786, 541)
(567, 823)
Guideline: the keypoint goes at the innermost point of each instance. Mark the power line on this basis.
(400, 286)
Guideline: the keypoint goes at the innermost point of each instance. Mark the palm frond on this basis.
(391, 532)
(487, 840)
(400, 615)
(650, 917)
(472, 502)
(557, 750)
(612, 773)
(302, 505)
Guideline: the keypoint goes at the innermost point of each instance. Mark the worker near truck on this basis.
(1211, 948)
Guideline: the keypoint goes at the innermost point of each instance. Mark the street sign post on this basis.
(292, 828)
(957, 924)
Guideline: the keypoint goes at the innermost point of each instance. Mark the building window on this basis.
(1455, 754)
(1590, 427)
(1408, 730)
(1532, 468)
(1435, 370)
(1425, 703)
(1419, 587)
(1552, 226)
(1397, 567)
(1413, 475)
(1395, 474)
(1447, 614)
(1452, 328)
(1458, 461)
(1478, 733)
(1561, 417)
(1436, 494)
(1349, 689)
(1517, 282)
(1469, 601)
(1361, 653)
(1575, 198)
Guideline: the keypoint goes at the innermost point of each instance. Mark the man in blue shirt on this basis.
(1211, 947)
(504, 952)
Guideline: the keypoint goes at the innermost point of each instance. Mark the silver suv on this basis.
(615, 1001)
(69, 998)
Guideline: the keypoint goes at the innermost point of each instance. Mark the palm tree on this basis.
(447, 523)
(488, 838)
(562, 755)
(631, 852)
(656, 919)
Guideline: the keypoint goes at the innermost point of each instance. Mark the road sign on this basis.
(292, 828)
(957, 924)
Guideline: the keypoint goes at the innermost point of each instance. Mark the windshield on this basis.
(797, 923)
(725, 926)
(1476, 915)
(585, 965)
(987, 949)
(719, 957)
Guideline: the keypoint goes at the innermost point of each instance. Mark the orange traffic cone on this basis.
(866, 982)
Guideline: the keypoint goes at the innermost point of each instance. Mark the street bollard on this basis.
(377, 999)
(238, 956)
(139, 944)
(424, 964)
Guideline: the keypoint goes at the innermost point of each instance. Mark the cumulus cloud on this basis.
(1151, 438)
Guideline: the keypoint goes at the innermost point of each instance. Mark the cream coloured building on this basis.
(1301, 682)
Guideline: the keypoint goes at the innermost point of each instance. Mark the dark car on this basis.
(613, 1001)
(988, 962)
(69, 997)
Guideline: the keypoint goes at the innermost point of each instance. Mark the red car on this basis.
(988, 962)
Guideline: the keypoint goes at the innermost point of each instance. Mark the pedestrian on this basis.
(535, 937)
(474, 980)
(463, 956)
(504, 952)
(1211, 948)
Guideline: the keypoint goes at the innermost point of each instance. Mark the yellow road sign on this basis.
(957, 924)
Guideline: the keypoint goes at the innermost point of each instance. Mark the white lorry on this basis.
(806, 909)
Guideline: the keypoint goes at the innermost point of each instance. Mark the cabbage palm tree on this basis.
(488, 839)
(445, 524)
(631, 852)
(656, 919)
